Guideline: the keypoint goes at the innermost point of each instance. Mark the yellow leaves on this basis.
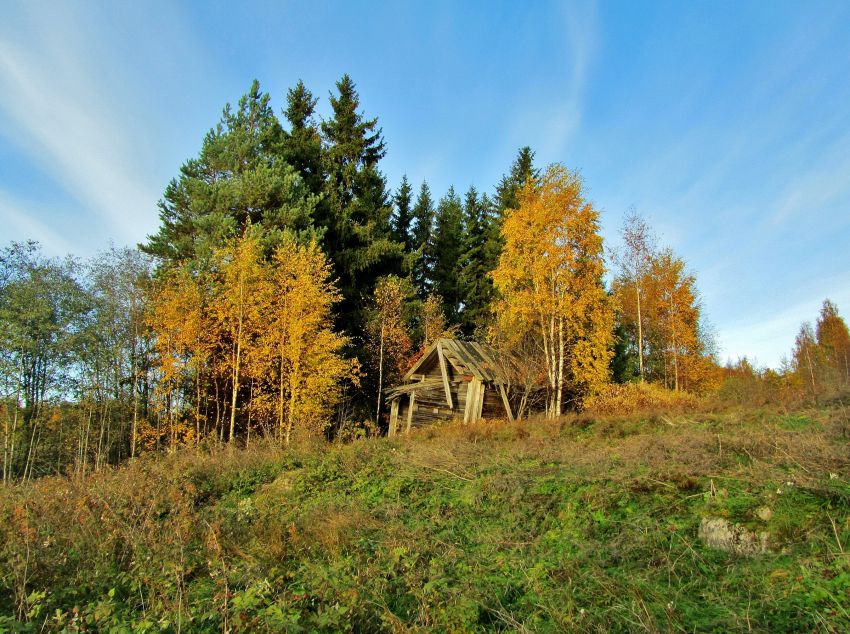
(549, 281)
(659, 308)
(259, 328)
(388, 330)
(432, 320)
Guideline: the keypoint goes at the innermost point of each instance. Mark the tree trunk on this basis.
(293, 400)
(561, 349)
(811, 373)
(236, 366)
(380, 377)
(640, 334)
(280, 404)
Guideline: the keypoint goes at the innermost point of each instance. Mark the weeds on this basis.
(586, 524)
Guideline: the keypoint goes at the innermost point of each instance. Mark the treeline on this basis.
(287, 287)
(76, 359)
(817, 371)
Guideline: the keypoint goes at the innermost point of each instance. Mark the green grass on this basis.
(578, 525)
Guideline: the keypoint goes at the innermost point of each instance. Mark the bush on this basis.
(639, 398)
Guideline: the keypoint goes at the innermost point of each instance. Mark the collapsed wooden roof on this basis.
(468, 358)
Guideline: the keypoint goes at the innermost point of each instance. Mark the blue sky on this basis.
(726, 124)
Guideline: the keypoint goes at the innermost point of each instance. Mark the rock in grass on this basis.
(722, 534)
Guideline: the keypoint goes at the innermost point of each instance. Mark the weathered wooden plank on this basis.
(465, 361)
(393, 416)
(416, 386)
(410, 409)
(415, 369)
(471, 400)
(506, 402)
(445, 372)
(496, 371)
(479, 409)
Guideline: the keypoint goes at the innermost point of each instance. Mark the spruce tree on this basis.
(402, 214)
(420, 239)
(447, 254)
(356, 213)
(521, 171)
(302, 145)
(476, 285)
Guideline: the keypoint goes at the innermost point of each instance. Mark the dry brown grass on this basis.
(666, 447)
(629, 399)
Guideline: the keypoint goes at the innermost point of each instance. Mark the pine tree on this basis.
(522, 171)
(238, 179)
(447, 253)
(421, 235)
(356, 216)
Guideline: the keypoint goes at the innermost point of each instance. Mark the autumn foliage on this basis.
(247, 344)
(549, 280)
(660, 314)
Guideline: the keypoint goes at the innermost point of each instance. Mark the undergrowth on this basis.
(585, 524)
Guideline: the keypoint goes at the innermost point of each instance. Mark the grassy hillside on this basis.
(585, 525)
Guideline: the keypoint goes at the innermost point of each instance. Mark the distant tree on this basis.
(659, 314)
(421, 234)
(634, 263)
(833, 339)
(389, 335)
(549, 281)
(807, 361)
(676, 312)
(115, 354)
(402, 216)
(432, 320)
(43, 311)
(447, 254)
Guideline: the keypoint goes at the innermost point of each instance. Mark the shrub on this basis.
(639, 398)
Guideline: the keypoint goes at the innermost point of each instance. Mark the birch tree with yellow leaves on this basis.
(389, 336)
(184, 342)
(549, 281)
(253, 336)
(301, 352)
(238, 309)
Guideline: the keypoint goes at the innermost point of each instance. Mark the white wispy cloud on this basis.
(766, 337)
(65, 117)
(20, 218)
(556, 116)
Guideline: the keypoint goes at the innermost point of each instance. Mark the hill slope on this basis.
(586, 525)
